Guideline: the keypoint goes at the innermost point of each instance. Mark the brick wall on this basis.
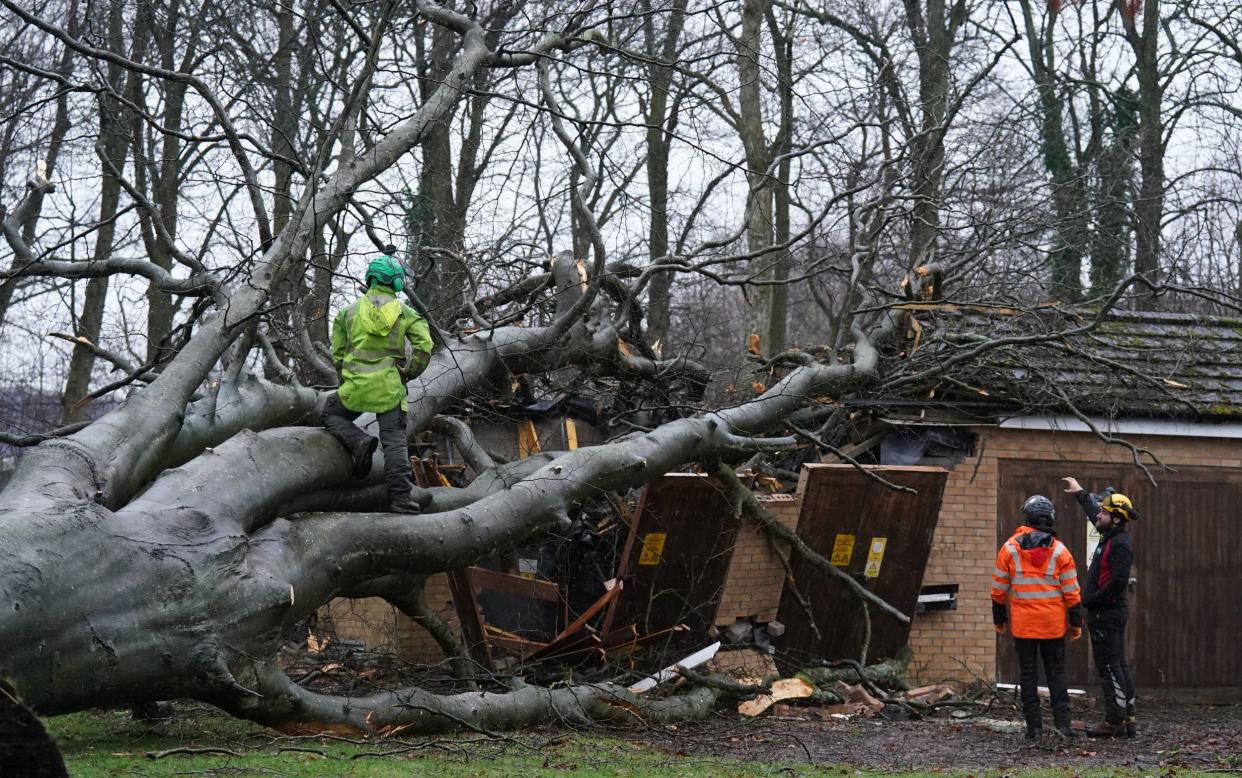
(753, 586)
(381, 627)
(961, 644)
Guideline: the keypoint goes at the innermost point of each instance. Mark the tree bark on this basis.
(782, 41)
(112, 148)
(659, 142)
(167, 185)
(434, 231)
(1149, 206)
(759, 223)
(1110, 252)
(1069, 198)
(932, 30)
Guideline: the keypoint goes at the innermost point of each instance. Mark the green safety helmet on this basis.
(387, 271)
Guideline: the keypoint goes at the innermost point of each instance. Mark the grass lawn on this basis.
(110, 743)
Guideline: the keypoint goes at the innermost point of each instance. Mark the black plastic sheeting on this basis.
(910, 445)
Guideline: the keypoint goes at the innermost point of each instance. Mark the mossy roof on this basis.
(1129, 363)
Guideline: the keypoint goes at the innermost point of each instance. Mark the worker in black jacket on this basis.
(1104, 595)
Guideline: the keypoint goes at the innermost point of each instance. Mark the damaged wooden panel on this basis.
(473, 630)
(676, 556)
(525, 608)
(880, 536)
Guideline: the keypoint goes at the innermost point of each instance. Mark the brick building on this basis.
(1164, 389)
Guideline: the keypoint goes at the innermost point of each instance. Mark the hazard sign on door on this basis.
(842, 550)
(653, 548)
(875, 556)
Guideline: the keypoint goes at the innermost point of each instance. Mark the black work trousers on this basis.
(340, 422)
(1108, 646)
(1053, 652)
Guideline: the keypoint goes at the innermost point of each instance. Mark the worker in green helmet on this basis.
(378, 344)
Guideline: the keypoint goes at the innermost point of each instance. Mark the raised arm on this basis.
(1085, 499)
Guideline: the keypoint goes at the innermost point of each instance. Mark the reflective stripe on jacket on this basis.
(369, 350)
(1035, 575)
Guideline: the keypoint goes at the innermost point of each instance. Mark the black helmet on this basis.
(1039, 510)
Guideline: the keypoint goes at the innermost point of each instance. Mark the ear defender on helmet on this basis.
(1120, 505)
(387, 271)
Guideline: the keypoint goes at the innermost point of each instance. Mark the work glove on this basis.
(1000, 628)
(1075, 633)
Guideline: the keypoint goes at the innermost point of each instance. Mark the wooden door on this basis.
(1184, 618)
(840, 504)
(676, 557)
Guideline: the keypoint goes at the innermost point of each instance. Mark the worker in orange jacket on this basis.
(1036, 578)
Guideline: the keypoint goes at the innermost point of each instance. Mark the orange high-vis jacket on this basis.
(1035, 575)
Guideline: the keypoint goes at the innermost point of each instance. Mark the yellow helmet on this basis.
(1120, 505)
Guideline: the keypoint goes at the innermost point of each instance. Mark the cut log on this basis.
(784, 689)
(856, 694)
(930, 695)
(746, 663)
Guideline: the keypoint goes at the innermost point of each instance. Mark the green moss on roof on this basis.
(1223, 410)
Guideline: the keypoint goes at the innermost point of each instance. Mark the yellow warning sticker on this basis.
(875, 556)
(653, 548)
(527, 568)
(842, 550)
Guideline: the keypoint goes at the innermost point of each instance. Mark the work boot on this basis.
(1063, 722)
(362, 456)
(1034, 733)
(404, 505)
(1107, 729)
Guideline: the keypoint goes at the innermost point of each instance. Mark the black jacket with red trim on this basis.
(1108, 577)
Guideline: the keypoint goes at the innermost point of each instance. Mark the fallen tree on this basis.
(185, 589)
(161, 551)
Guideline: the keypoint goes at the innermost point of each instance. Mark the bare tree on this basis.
(162, 549)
